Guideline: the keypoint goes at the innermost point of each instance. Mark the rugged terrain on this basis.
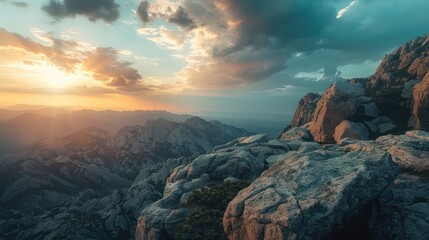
(93, 185)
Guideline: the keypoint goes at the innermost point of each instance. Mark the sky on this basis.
(227, 57)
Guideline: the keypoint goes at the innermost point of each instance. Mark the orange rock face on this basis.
(420, 113)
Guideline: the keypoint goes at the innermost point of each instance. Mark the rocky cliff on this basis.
(394, 99)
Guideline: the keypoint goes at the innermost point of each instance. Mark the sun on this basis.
(54, 77)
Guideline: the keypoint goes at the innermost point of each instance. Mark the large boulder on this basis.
(309, 194)
(305, 110)
(349, 129)
(420, 112)
(339, 102)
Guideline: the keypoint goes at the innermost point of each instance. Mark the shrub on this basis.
(208, 206)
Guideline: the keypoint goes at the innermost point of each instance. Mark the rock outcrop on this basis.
(406, 63)
(392, 98)
(308, 194)
(245, 158)
(318, 193)
(339, 102)
(305, 109)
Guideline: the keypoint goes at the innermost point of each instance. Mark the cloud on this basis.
(164, 10)
(106, 67)
(164, 37)
(143, 11)
(106, 10)
(347, 8)
(54, 53)
(234, 42)
(103, 64)
(16, 3)
(181, 18)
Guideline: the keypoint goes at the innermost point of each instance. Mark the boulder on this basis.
(349, 129)
(304, 111)
(420, 113)
(340, 101)
(308, 195)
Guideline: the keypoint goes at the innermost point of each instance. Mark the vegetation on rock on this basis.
(208, 206)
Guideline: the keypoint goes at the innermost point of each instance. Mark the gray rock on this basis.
(407, 91)
(306, 195)
(403, 209)
(297, 133)
(380, 125)
(410, 151)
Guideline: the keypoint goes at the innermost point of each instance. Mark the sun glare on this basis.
(54, 77)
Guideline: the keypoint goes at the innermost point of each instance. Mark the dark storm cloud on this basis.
(280, 23)
(106, 67)
(143, 11)
(181, 18)
(279, 30)
(106, 10)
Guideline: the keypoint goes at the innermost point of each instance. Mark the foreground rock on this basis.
(307, 195)
(242, 159)
(403, 209)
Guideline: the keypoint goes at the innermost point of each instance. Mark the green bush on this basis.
(208, 206)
